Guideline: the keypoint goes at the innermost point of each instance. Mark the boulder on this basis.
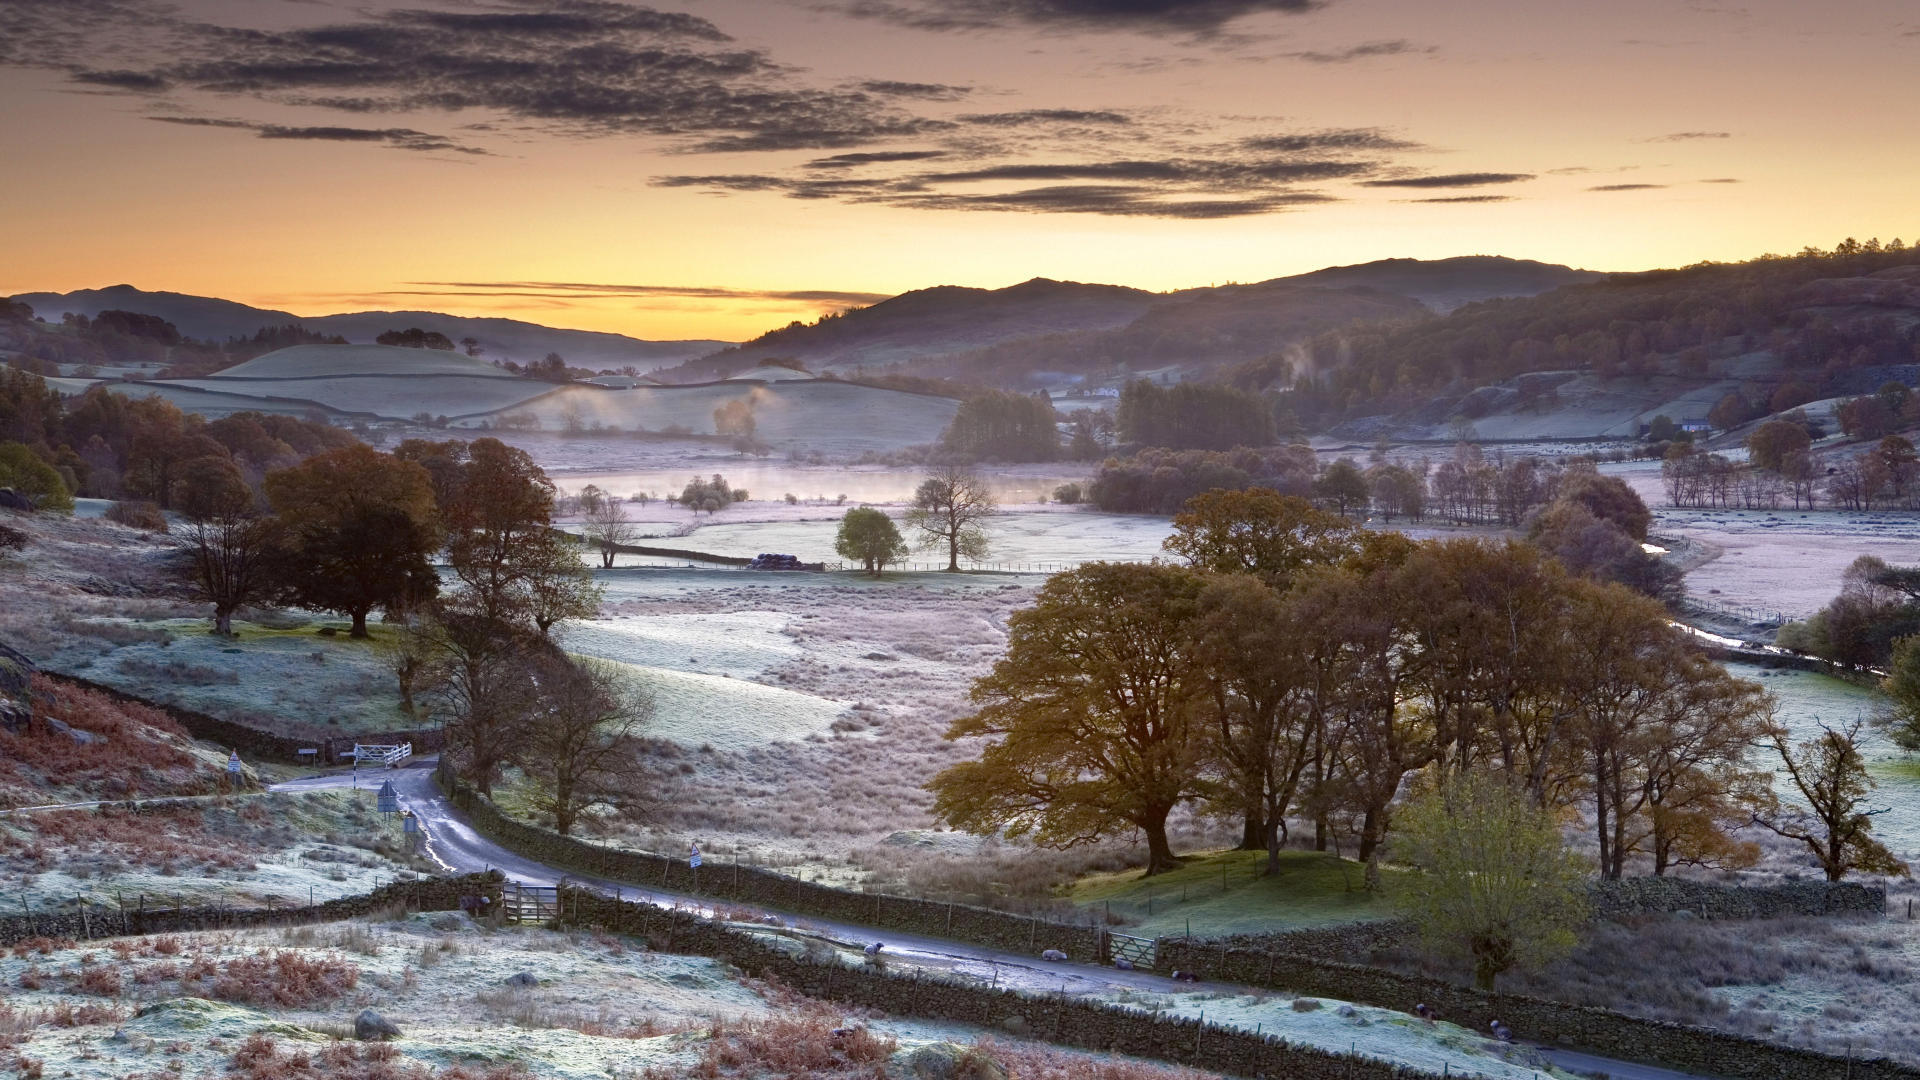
(523, 978)
(370, 1025)
(946, 1061)
(83, 738)
(13, 500)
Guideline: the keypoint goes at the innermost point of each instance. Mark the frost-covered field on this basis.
(397, 397)
(593, 1006)
(1053, 535)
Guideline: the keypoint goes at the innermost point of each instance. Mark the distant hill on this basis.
(212, 319)
(1033, 332)
(1445, 284)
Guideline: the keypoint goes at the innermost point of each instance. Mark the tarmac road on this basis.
(454, 844)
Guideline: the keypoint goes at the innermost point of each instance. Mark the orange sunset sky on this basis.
(715, 169)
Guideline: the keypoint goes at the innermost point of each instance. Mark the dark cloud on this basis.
(1111, 200)
(397, 138)
(1398, 47)
(1626, 187)
(1199, 18)
(575, 66)
(1463, 199)
(586, 290)
(923, 91)
(1451, 180)
(1212, 175)
(1722, 180)
(1333, 140)
(1029, 117)
(879, 157)
(1691, 136)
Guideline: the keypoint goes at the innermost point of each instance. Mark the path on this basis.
(454, 844)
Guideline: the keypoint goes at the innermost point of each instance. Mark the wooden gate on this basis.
(1137, 951)
(535, 904)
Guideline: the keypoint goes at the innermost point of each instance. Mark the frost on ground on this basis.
(495, 1003)
(282, 849)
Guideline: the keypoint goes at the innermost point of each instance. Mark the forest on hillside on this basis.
(1822, 313)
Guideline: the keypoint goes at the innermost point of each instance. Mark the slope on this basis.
(212, 319)
(1445, 284)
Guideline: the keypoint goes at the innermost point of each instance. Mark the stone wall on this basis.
(1646, 895)
(753, 885)
(1629, 1038)
(1064, 1020)
(87, 923)
(256, 745)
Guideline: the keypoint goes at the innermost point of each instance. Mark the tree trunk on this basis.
(223, 621)
(1253, 832)
(953, 552)
(359, 624)
(606, 557)
(1160, 857)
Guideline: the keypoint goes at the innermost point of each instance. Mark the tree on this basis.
(415, 338)
(999, 425)
(583, 739)
(554, 583)
(23, 471)
(359, 527)
(1494, 883)
(1834, 824)
(1772, 442)
(231, 542)
(1092, 714)
(481, 683)
(868, 536)
(1261, 532)
(951, 509)
(735, 418)
(1902, 687)
(1342, 488)
(606, 525)
(498, 527)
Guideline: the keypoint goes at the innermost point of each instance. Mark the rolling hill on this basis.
(1032, 333)
(211, 319)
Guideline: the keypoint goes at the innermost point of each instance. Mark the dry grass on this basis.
(797, 1044)
(260, 1058)
(140, 751)
(1036, 1061)
(285, 979)
(525, 1007)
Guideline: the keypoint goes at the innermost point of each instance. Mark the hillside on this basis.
(1033, 333)
(1599, 358)
(211, 319)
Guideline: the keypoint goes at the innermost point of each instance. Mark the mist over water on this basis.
(868, 484)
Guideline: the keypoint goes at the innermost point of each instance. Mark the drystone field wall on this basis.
(1616, 1035)
(1647, 895)
(88, 923)
(1063, 1020)
(752, 885)
(256, 745)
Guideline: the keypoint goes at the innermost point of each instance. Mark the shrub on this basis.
(138, 515)
(283, 978)
(260, 1058)
(99, 981)
(1067, 493)
(794, 1044)
(23, 471)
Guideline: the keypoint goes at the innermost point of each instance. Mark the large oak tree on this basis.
(360, 526)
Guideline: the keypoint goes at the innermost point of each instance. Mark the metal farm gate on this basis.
(1137, 951)
(535, 904)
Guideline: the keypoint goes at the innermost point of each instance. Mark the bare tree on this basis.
(480, 682)
(606, 525)
(584, 739)
(1835, 825)
(951, 509)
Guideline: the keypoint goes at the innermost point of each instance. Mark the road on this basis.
(453, 843)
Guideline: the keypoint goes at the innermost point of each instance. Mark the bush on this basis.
(138, 515)
(287, 979)
(23, 471)
(1067, 493)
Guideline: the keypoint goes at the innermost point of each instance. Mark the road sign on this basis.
(409, 823)
(388, 801)
(233, 762)
(693, 857)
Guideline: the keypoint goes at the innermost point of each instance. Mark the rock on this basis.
(83, 738)
(1305, 1005)
(946, 1061)
(1016, 1025)
(524, 978)
(1349, 1011)
(370, 1025)
(13, 500)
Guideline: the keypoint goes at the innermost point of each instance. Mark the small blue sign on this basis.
(388, 800)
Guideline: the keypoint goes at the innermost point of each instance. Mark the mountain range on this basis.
(212, 319)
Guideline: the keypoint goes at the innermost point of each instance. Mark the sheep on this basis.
(1053, 954)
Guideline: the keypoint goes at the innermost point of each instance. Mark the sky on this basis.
(719, 168)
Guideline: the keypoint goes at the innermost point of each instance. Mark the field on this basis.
(1226, 892)
(593, 1006)
(392, 396)
(314, 361)
(1055, 536)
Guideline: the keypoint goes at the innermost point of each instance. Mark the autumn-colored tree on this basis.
(1261, 532)
(23, 471)
(582, 739)
(1772, 442)
(1343, 489)
(231, 542)
(359, 527)
(497, 529)
(1493, 881)
(1092, 719)
(868, 536)
(1833, 823)
(951, 510)
(1257, 696)
(1607, 498)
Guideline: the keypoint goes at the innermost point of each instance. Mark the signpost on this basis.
(233, 768)
(388, 800)
(693, 856)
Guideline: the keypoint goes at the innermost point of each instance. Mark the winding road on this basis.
(453, 843)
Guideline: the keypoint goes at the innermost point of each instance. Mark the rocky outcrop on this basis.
(16, 689)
